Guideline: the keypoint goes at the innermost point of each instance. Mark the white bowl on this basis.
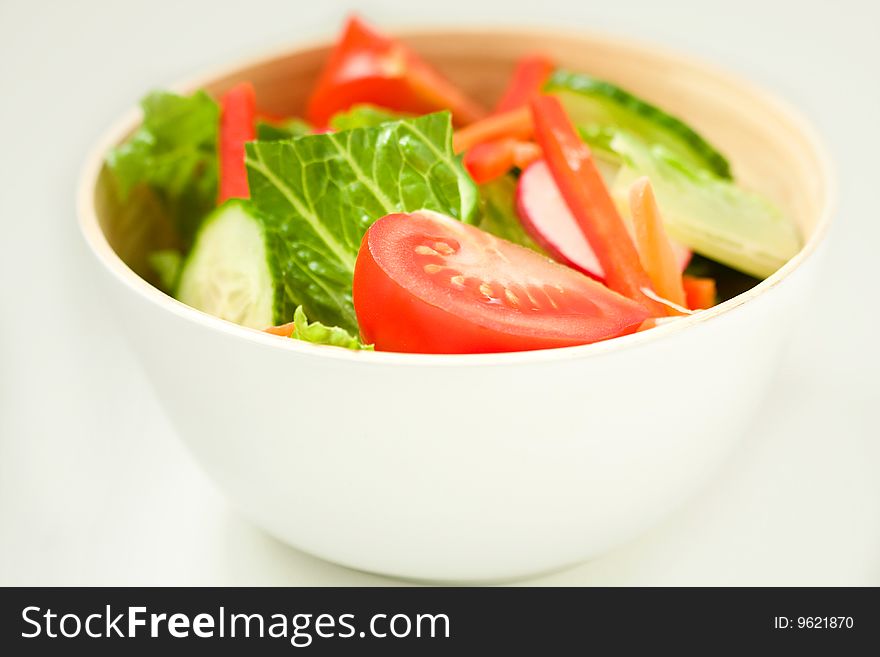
(479, 467)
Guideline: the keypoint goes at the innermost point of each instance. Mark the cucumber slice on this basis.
(589, 101)
(228, 273)
(712, 216)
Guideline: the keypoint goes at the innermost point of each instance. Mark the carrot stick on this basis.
(516, 124)
(699, 292)
(284, 330)
(655, 251)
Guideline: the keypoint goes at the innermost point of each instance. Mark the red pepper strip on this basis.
(493, 159)
(488, 161)
(699, 292)
(238, 110)
(528, 79)
(516, 124)
(284, 330)
(525, 152)
(574, 170)
(366, 66)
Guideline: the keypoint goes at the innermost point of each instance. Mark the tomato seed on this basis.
(444, 248)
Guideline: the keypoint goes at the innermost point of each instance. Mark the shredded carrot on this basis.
(284, 330)
(655, 251)
(699, 292)
(516, 124)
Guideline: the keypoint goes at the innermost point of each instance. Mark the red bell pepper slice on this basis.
(528, 79)
(238, 111)
(368, 67)
(575, 172)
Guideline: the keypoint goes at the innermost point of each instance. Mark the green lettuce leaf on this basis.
(500, 216)
(320, 193)
(363, 115)
(267, 131)
(317, 333)
(174, 154)
(166, 263)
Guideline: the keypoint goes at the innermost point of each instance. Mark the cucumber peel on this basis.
(590, 101)
(229, 272)
(712, 216)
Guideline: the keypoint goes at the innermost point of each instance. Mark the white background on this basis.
(96, 489)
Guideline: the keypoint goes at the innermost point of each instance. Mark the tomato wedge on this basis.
(426, 283)
(368, 67)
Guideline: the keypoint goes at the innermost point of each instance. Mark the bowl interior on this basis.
(771, 149)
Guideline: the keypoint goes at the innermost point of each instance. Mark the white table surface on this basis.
(96, 489)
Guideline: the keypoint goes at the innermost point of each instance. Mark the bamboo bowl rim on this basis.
(97, 241)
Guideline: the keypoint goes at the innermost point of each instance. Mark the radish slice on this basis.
(548, 220)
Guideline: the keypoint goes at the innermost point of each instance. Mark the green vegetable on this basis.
(712, 216)
(166, 263)
(267, 131)
(363, 116)
(230, 273)
(500, 216)
(589, 102)
(319, 334)
(320, 193)
(173, 153)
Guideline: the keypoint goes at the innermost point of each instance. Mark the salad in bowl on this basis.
(399, 214)
(464, 326)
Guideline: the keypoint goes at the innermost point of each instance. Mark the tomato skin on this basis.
(399, 308)
(368, 67)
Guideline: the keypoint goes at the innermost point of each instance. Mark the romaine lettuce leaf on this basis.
(173, 153)
(363, 115)
(267, 131)
(317, 333)
(166, 263)
(320, 193)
